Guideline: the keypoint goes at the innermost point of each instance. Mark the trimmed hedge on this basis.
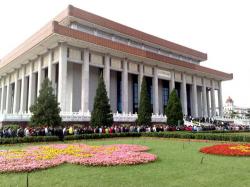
(175, 134)
(28, 139)
(221, 131)
(31, 139)
(200, 136)
(98, 136)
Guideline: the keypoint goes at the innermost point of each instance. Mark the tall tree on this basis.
(174, 110)
(46, 110)
(144, 110)
(101, 114)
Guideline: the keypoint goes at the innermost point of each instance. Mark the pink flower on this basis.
(40, 157)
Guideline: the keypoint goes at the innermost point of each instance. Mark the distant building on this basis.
(230, 110)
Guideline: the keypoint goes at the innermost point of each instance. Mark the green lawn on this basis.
(178, 164)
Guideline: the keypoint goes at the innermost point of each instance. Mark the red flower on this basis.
(228, 149)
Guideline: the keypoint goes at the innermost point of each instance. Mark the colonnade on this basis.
(18, 96)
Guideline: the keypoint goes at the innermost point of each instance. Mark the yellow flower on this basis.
(242, 148)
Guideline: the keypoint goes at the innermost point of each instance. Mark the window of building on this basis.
(165, 93)
(68, 52)
(165, 96)
(12, 96)
(178, 88)
(127, 41)
(100, 71)
(89, 57)
(135, 93)
(119, 92)
(36, 84)
(46, 73)
(150, 91)
(188, 87)
(104, 34)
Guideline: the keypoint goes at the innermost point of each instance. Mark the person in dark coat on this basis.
(60, 134)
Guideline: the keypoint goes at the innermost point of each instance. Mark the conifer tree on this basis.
(144, 110)
(46, 110)
(174, 110)
(101, 114)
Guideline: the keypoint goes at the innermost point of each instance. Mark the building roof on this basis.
(56, 28)
(98, 20)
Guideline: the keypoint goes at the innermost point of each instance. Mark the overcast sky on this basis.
(220, 28)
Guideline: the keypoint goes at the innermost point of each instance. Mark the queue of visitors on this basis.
(76, 130)
(7, 132)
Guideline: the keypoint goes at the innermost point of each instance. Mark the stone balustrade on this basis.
(81, 117)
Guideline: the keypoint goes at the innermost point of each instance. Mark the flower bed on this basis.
(40, 157)
(228, 149)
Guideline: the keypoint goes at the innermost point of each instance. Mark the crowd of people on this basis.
(76, 130)
(8, 132)
(209, 120)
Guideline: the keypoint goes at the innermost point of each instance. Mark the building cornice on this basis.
(72, 11)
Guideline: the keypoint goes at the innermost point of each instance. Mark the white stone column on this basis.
(2, 97)
(199, 101)
(220, 100)
(51, 70)
(208, 104)
(50, 65)
(172, 82)
(155, 92)
(204, 99)
(8, 95)
(62, 77)
(16, 94)
(31, 87)
(106, 73)
(140, 78)
(39, 75)
(85, 81)
(23, 91)
(18, 99)
(213, 110)
(125, 87)
(184, 94)
(194, 98)
(70, 81)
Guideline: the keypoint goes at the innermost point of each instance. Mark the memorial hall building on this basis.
(77, 47)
